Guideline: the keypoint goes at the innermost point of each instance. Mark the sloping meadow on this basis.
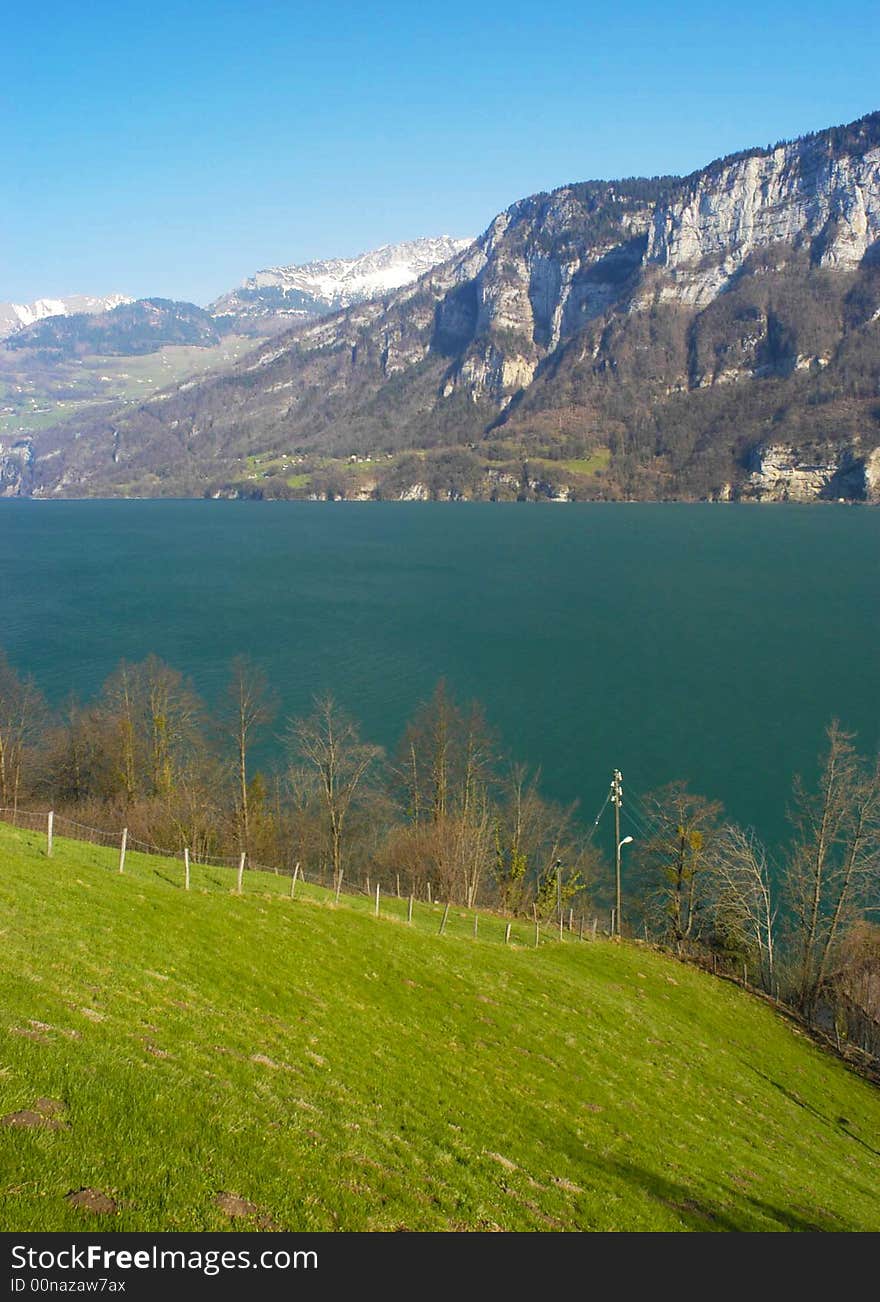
(202, 1060)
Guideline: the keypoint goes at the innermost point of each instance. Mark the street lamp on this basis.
(626, 840)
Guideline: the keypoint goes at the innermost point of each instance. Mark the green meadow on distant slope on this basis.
(335, 1071)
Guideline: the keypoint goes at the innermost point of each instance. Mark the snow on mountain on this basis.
(315, 288)
(13, 316)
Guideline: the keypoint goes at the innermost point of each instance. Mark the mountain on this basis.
(296, 293)
(13, 316)
(132, 328)
(715, 335)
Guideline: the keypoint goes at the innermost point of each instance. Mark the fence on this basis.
(534, 930)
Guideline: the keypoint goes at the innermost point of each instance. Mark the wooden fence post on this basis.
(186, 868)
(581, 928)
(293, 878)
(445, 916)
(595, 927)
(240, 874)
(409, 910)
(571, 919)
(398, 885)
(507, 934)
(377, 899)
(537, 926)
(122, 847)
(338, 885)
(476, 924)
(430, 901)
(50, 820)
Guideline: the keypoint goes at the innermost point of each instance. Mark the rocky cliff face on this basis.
(677, 324)
(780, 473)
(804, 195)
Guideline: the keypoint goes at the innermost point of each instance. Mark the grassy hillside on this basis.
(36, 392)
(340, 1072)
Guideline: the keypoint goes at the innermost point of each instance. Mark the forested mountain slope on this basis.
(713, 335)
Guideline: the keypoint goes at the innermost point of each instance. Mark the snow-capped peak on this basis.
(14, 316)
(311, 288)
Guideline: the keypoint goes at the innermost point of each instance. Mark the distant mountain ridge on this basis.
(297, 292)
(16, 316)
(135, 327)
(715, 335)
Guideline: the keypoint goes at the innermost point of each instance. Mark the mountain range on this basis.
(15, 316)
(128, 329)
(715, 335)
(294, 293)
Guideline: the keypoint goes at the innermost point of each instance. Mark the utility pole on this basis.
(617, 801)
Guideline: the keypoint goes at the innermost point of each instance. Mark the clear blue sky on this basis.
(172, 149)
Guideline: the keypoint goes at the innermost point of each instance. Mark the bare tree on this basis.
(173, 723)
(117, 716)
(834, 862)
(329, 744)
(444, 759)
(855, 987)
(742, 899)
(22, 720)
(251, 705)
(443, 776)
(674, 860)
(74, 763)
(534, 840)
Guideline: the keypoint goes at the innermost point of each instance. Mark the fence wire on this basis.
(544, 927)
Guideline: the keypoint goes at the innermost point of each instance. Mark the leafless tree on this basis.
(329, 745)
(22, 721)
(833, 868)
(117, 716)
(444, 759)
(673, 861)
(742, 899)
(250, 707)
(173, 722)
(855, 987)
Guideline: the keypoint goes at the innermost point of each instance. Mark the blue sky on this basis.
(172, 149)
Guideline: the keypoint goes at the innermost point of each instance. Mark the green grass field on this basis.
(598, 460)
(339, 1071)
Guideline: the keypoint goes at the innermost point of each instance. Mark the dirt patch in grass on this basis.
(503, 1161)
(42, 1032)
(240, 1209)
(263, 1061)
(92, 1200)
(46, 1114)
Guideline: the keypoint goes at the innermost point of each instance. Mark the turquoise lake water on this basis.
(704, 642)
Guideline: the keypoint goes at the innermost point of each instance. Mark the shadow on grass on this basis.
(838, 1125)
(697, 1214)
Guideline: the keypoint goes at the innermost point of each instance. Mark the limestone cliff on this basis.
(677, 325)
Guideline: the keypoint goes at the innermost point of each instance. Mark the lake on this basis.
(706, 642)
